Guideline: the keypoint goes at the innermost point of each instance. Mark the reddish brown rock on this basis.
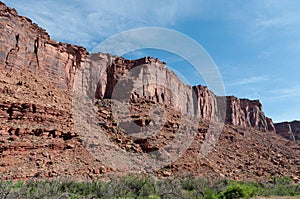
(206, 106)
(247, 113)
(26, 45)
(289, 130)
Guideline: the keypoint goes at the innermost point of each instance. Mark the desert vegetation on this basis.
(132, 186)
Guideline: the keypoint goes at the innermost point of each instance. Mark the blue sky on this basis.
(255, 43)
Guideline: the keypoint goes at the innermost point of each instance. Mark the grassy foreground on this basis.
(147, 187)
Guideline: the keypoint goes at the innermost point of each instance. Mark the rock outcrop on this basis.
(150, 79)
(247, 113)
(205, 102)
(26, 45)
(289, 130)
(146, 77)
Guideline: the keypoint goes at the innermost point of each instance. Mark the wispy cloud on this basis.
(278, 13)
(288, 92)
(248, 80)
(89, 22)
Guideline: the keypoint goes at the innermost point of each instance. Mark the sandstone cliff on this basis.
(36, 125)
(247, 113)
(149, 78)
(289, 130)
(25, 45)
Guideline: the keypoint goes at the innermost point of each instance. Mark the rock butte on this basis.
(38, 76)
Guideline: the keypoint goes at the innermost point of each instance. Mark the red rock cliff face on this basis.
(24, 45)
(106, 76)
(239, 112)
(36, 122)
(37, 134)
(149, 78)
(289, 130)
(206, 103)
(247, 113)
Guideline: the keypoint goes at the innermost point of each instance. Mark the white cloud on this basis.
(288, 92)
(88, 22)
(248, 80)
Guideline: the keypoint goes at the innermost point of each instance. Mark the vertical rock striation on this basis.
(289, 130)
(247, 113)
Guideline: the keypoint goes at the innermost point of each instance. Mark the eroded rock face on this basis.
(37, 137)
(106, 76)
(24, 45)
(239, 112)
(247, 113)
(289, 130)
(115, 77)
(206, 104)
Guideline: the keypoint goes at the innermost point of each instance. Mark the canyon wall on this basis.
(24, 45)
(289, 130)
(247, 113)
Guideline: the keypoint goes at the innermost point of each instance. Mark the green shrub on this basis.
(154, 197)
(233, 192)
(210, 194)
(132, 186)
(188, 184)
(280, 187)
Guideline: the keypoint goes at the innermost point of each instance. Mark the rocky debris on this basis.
(251, 156)
(28, 111)
(289, 130)
(41, 157)
(37, 139)
(242, 153)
